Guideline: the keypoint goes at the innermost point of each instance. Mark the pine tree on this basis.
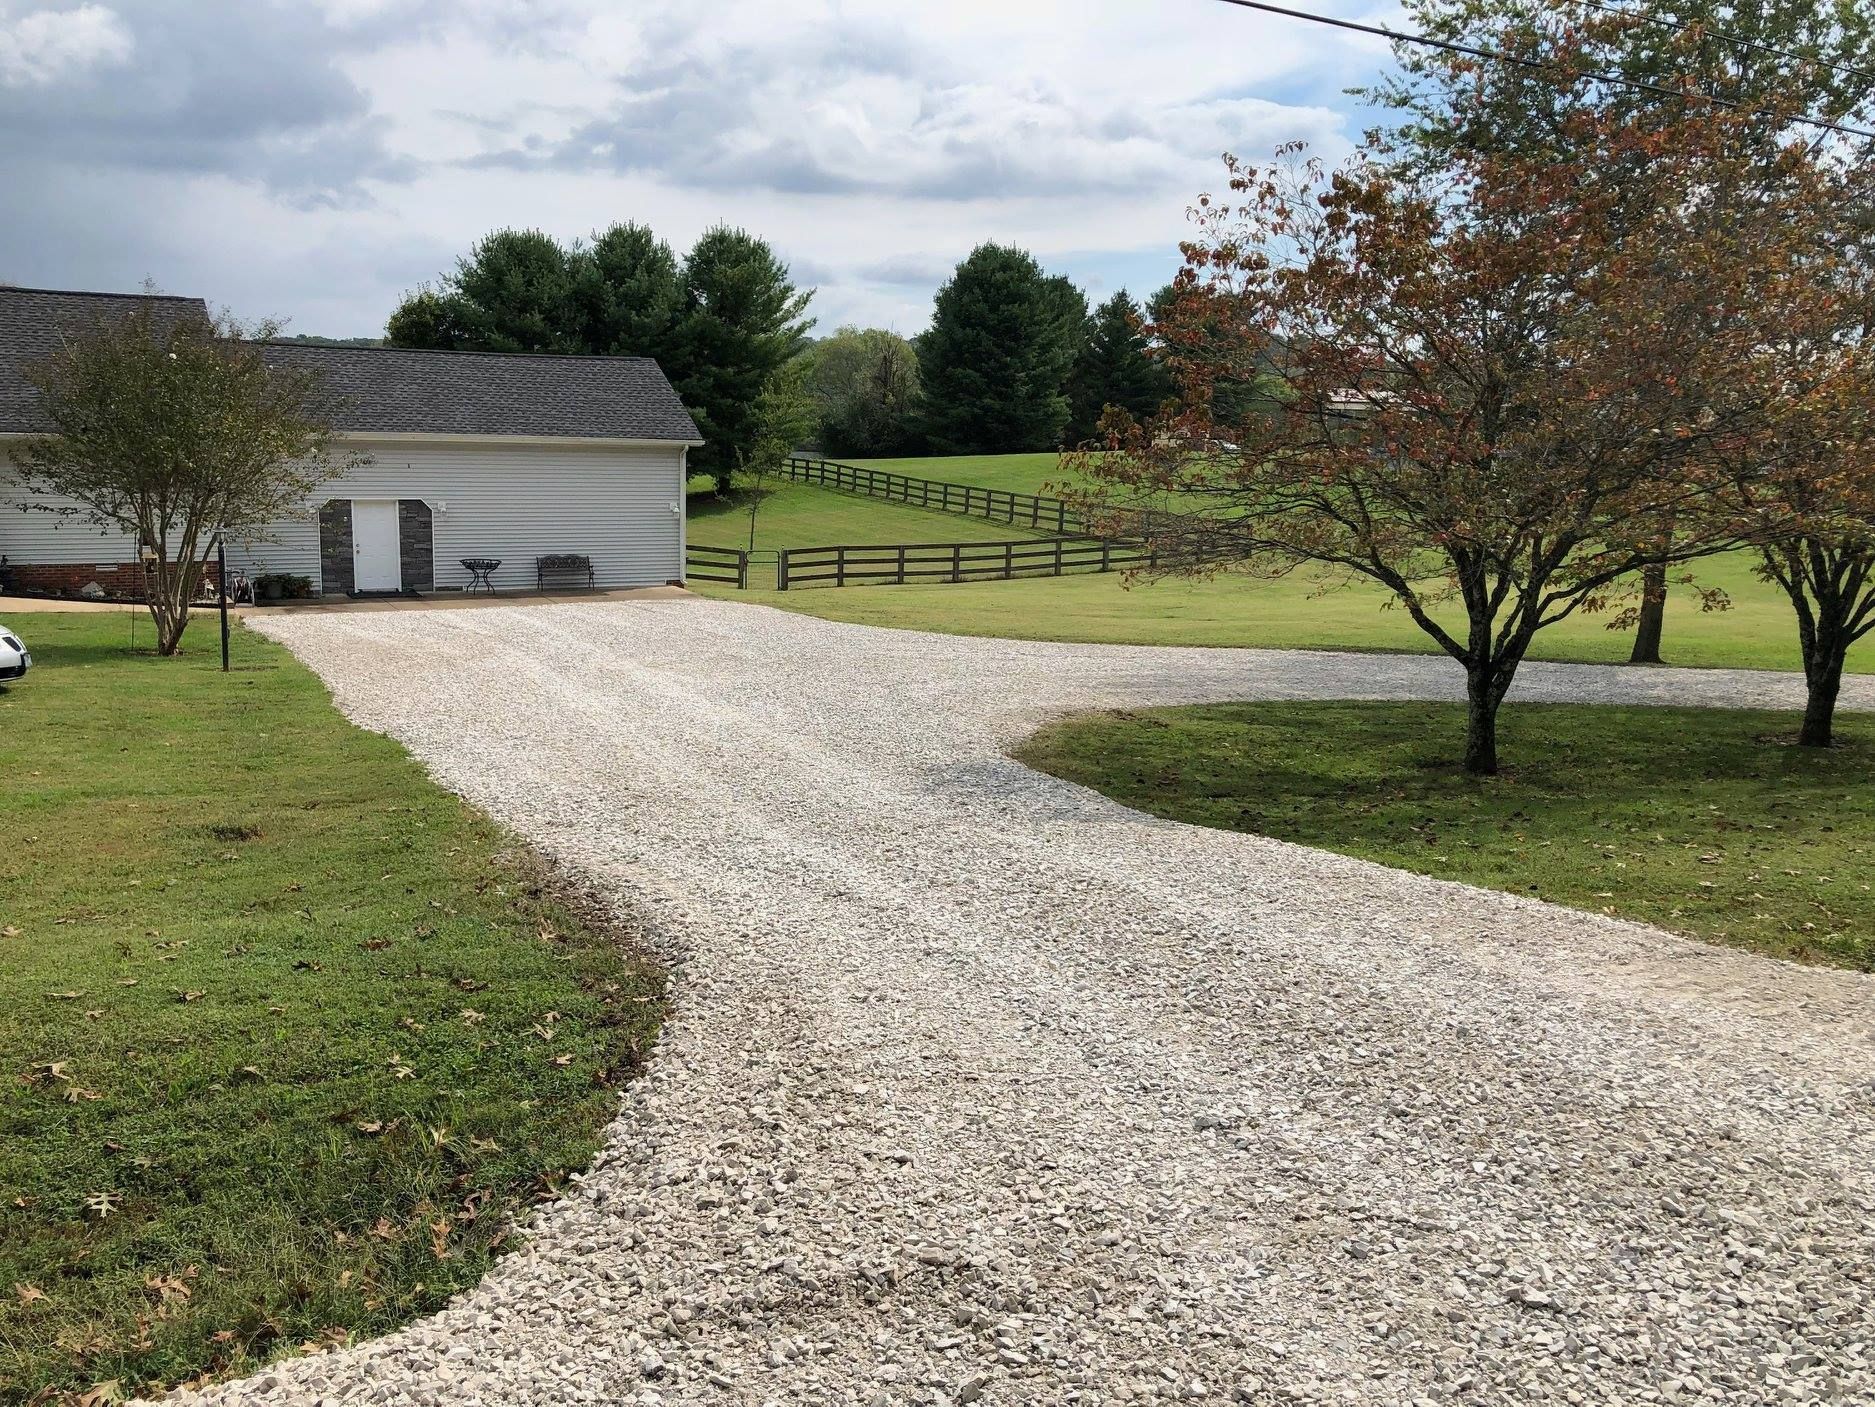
(1114, 368)
(994, 363)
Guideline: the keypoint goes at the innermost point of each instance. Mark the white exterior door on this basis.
(376, 560)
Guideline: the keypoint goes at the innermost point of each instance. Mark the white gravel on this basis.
(983, 1088)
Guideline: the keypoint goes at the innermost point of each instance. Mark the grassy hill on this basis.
(1303, 611)
(1018, 473)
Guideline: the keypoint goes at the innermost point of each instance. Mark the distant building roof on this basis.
(385, 389)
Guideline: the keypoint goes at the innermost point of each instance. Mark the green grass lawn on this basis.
(292, 1033)
(1758, 632)
(1701, 821)
(1018, 473)
(805, 515)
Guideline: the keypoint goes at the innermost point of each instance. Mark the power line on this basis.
(1540, 65)
(1679, 26)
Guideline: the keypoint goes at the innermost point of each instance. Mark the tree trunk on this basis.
(169, 588)
(1823, 673)
(1652, 618)
(1482, 695)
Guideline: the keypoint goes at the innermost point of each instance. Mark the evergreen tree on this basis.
(719, 324)
(742, 320)
(514, 293)
(631, 292)
(1114, 368)
(994, 362)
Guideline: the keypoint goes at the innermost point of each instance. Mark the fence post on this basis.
(901, 564)
(1106, 554)
(1058, 545)
(742, 571)
(781, 570)
(957, 562)
(839, 566)
(1009, 560)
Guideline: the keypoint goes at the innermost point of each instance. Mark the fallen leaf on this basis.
(10, 932)
(64, 996)
(167, 1287)
(104, 1203)
(27, 1293)
(108, 1391)
(471, 1017)
(190, 996)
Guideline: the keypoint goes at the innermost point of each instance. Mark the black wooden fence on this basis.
(724, 564)
(902, 562)
(1000, 505)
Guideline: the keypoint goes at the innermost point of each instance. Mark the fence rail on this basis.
(899, 563)
(1028, 510)
(724, 564)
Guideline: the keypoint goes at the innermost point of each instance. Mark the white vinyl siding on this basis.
(512, 501)
(31, 535)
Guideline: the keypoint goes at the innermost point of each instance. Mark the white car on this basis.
(15, 658)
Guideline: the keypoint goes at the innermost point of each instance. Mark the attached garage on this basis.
(464, 456)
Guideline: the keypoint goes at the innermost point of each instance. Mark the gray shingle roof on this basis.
(31, 323)
(389, 389)
(494, 393)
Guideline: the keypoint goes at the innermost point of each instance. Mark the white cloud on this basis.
(41, 47)
(873, 142)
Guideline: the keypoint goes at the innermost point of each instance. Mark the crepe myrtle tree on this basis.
(1491, 386)
(171, 429)
(1777, 61)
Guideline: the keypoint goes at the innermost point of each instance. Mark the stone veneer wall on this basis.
(416, 544)
(335, 546)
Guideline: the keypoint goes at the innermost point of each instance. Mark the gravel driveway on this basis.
(983, 1088)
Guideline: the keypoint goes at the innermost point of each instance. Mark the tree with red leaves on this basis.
(1811, 488)
(1508, 384)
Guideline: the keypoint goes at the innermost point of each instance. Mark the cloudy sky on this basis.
(313, 159)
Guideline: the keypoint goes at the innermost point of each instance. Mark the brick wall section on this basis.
(416, 544)
(335, 546)
(122, 580)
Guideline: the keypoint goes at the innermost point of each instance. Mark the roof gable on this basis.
(386, 390)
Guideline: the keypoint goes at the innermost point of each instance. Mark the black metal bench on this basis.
(560, 566)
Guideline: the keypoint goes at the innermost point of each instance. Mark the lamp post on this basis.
(221, 594)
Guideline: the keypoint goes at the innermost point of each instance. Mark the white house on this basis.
(471, 455)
